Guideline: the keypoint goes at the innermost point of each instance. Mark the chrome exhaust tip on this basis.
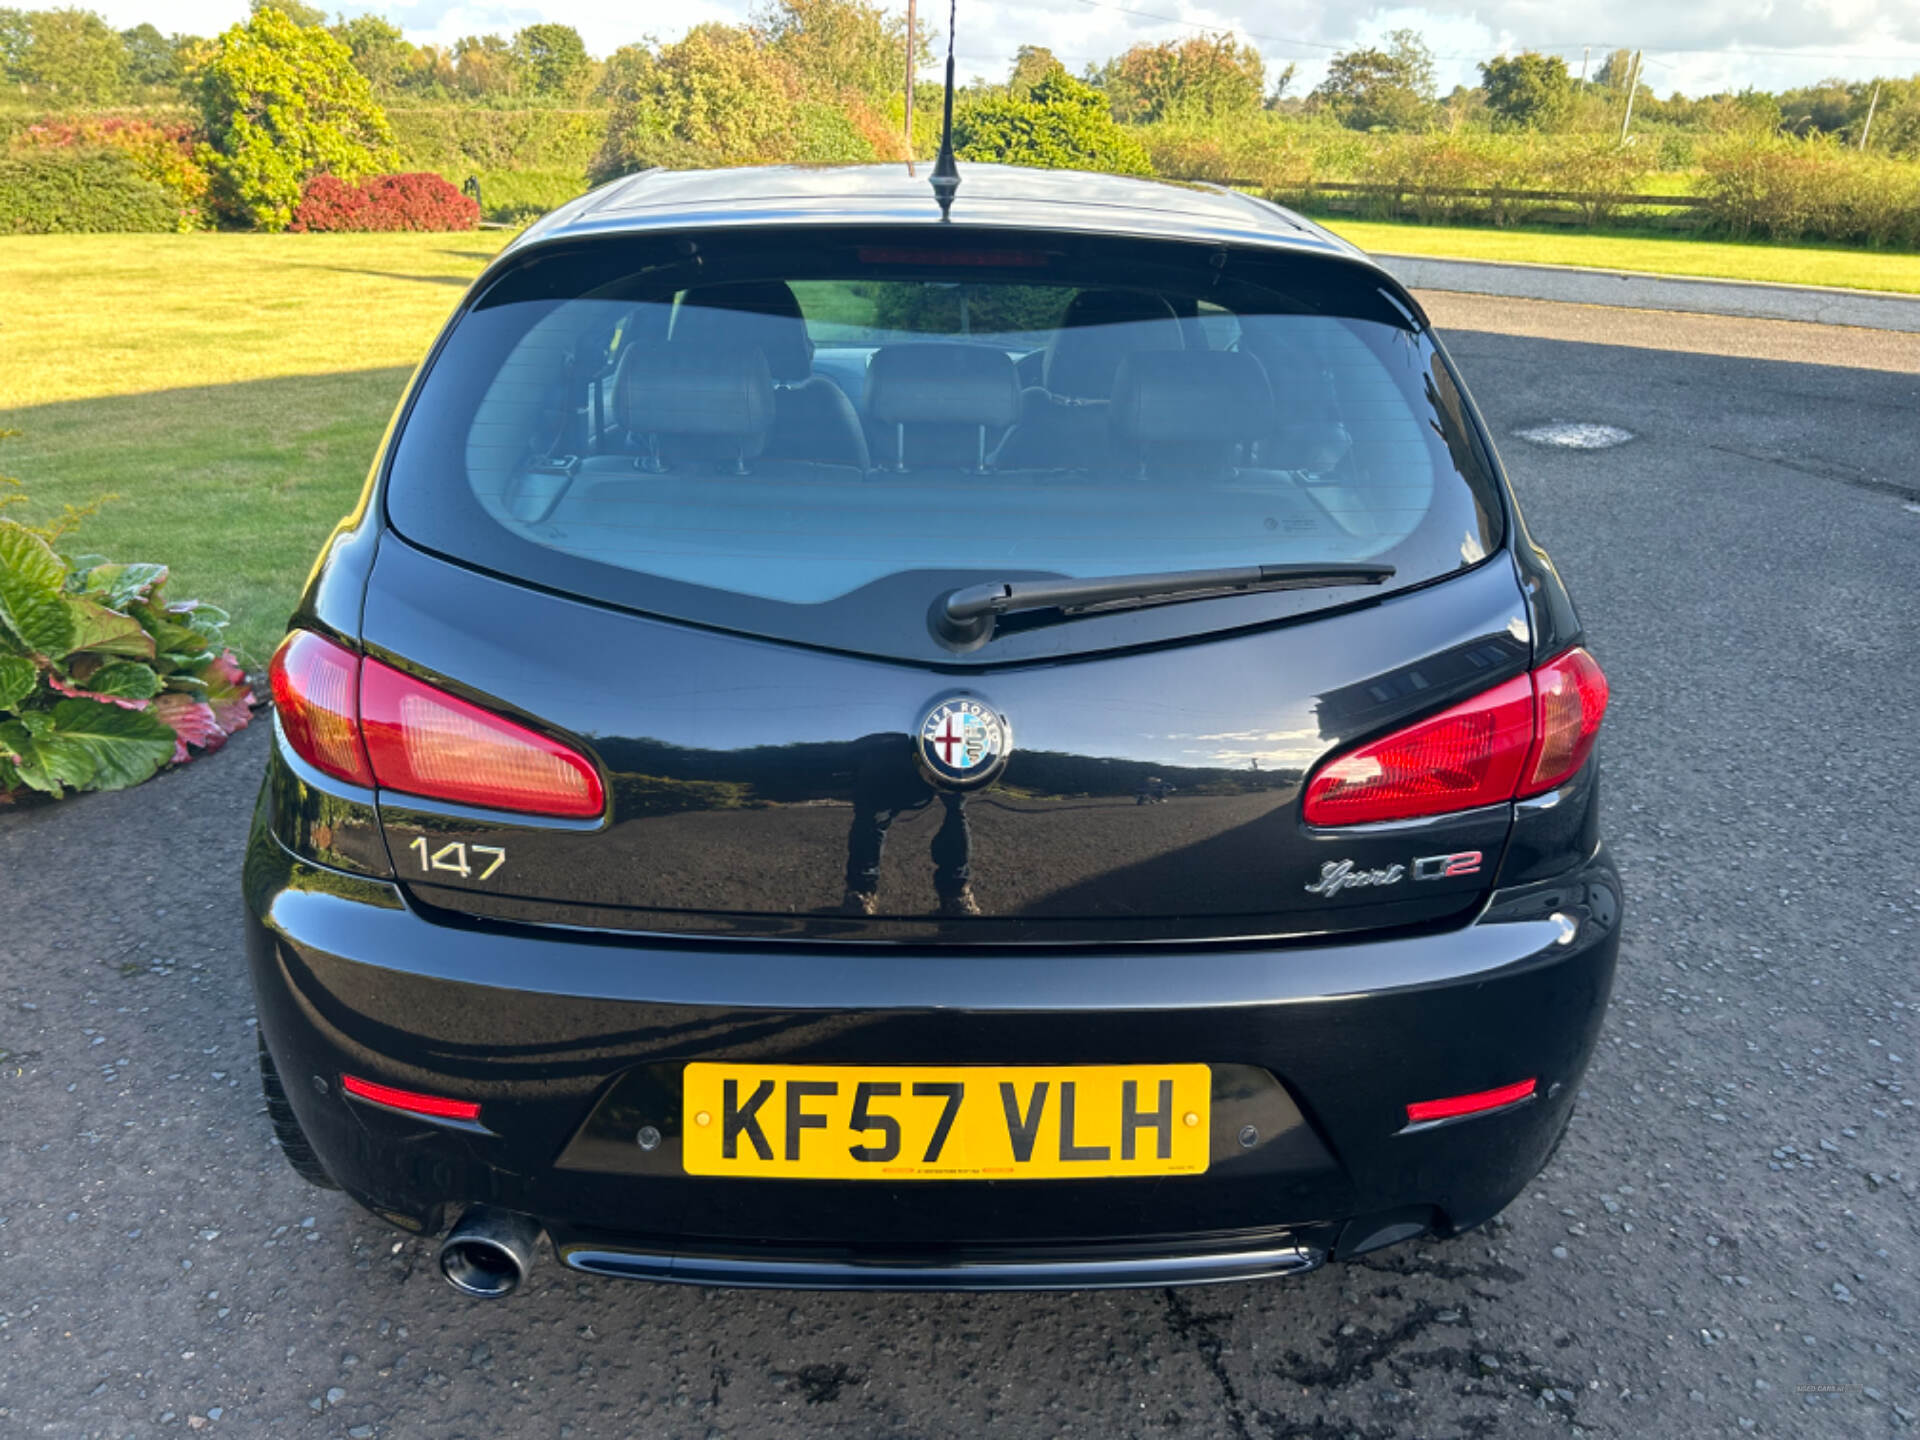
(489, 1252)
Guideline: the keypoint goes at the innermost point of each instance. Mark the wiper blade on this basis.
(966, 617)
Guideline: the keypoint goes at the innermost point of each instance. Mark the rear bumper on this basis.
(571, 1041)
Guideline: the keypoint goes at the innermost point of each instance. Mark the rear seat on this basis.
(940, 406)
(812, 417)
(1308, 434)
(685, 409)
(1189, 412)
(1063, 424)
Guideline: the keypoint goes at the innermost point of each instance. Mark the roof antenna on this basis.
(946, 175)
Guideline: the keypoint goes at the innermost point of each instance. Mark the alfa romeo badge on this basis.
(963, 742)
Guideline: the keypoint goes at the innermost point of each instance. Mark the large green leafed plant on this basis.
(1063, 124)
(102, 679)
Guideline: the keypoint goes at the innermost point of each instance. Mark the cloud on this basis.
(1699, 47)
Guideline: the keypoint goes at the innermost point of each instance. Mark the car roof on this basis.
(998, 196)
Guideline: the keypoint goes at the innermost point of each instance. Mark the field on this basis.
(1715, 259)
(230, 389)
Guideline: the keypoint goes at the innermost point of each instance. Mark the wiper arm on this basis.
(965, 617)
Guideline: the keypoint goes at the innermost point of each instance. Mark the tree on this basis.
(1063, 124)
(430, 72)
(152, 59)
(380, 51)
(280, 103)
(1462, 108)
(1031, 65)
(840, 47)
(1839, 107)
(808, 81)
(1528, 91)
(1377, 89)
(717, 96)
(74, 53)
(1282, 82)
(624, 73)
(1203, 77)
(307, 17)
(553, 60)
(1614, 70)
(1831, 107)
(1751, 112)
(483, 66)
(1899, 134)
(1410, 54)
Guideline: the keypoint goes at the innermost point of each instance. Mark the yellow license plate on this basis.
(949, 1122)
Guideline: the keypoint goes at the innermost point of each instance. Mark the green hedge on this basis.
(1261, 149)
(1780, 188)
(467, 140)
(47, 192)
(1419, 171)
(510, 197)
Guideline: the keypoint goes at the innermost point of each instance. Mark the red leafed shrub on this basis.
(422, 201)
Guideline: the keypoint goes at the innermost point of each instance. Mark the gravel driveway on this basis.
(1726, 1243)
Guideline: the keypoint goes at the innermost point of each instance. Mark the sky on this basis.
(1697, 46)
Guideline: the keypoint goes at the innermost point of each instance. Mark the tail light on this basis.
(426, 742)
(366, 722)
(1569, 696)
(316, 694)
(1520, 738)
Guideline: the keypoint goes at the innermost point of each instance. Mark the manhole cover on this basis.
(1575, 435)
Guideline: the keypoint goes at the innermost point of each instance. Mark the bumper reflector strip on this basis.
(438, 1106)
(1424, 1110)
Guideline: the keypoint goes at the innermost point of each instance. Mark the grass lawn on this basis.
(1659, 255)
(230, 389)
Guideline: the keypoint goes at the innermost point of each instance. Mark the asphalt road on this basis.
(1725, 1245)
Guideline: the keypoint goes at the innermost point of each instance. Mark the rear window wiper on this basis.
(967, 617)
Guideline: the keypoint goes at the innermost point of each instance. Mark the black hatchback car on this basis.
(842, 748)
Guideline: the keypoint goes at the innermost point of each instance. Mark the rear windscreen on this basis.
(811, 435)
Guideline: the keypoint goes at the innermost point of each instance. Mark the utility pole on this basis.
(910, 46)
(1633, 84)
(1867, 129)
(1585, 52)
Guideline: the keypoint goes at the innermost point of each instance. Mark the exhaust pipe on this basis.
(489, 1252)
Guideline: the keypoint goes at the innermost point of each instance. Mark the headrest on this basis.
(762, 313)
(692, 390)
(942, 385)
(1303, 387)
(1099, 327)
(1195, 395)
